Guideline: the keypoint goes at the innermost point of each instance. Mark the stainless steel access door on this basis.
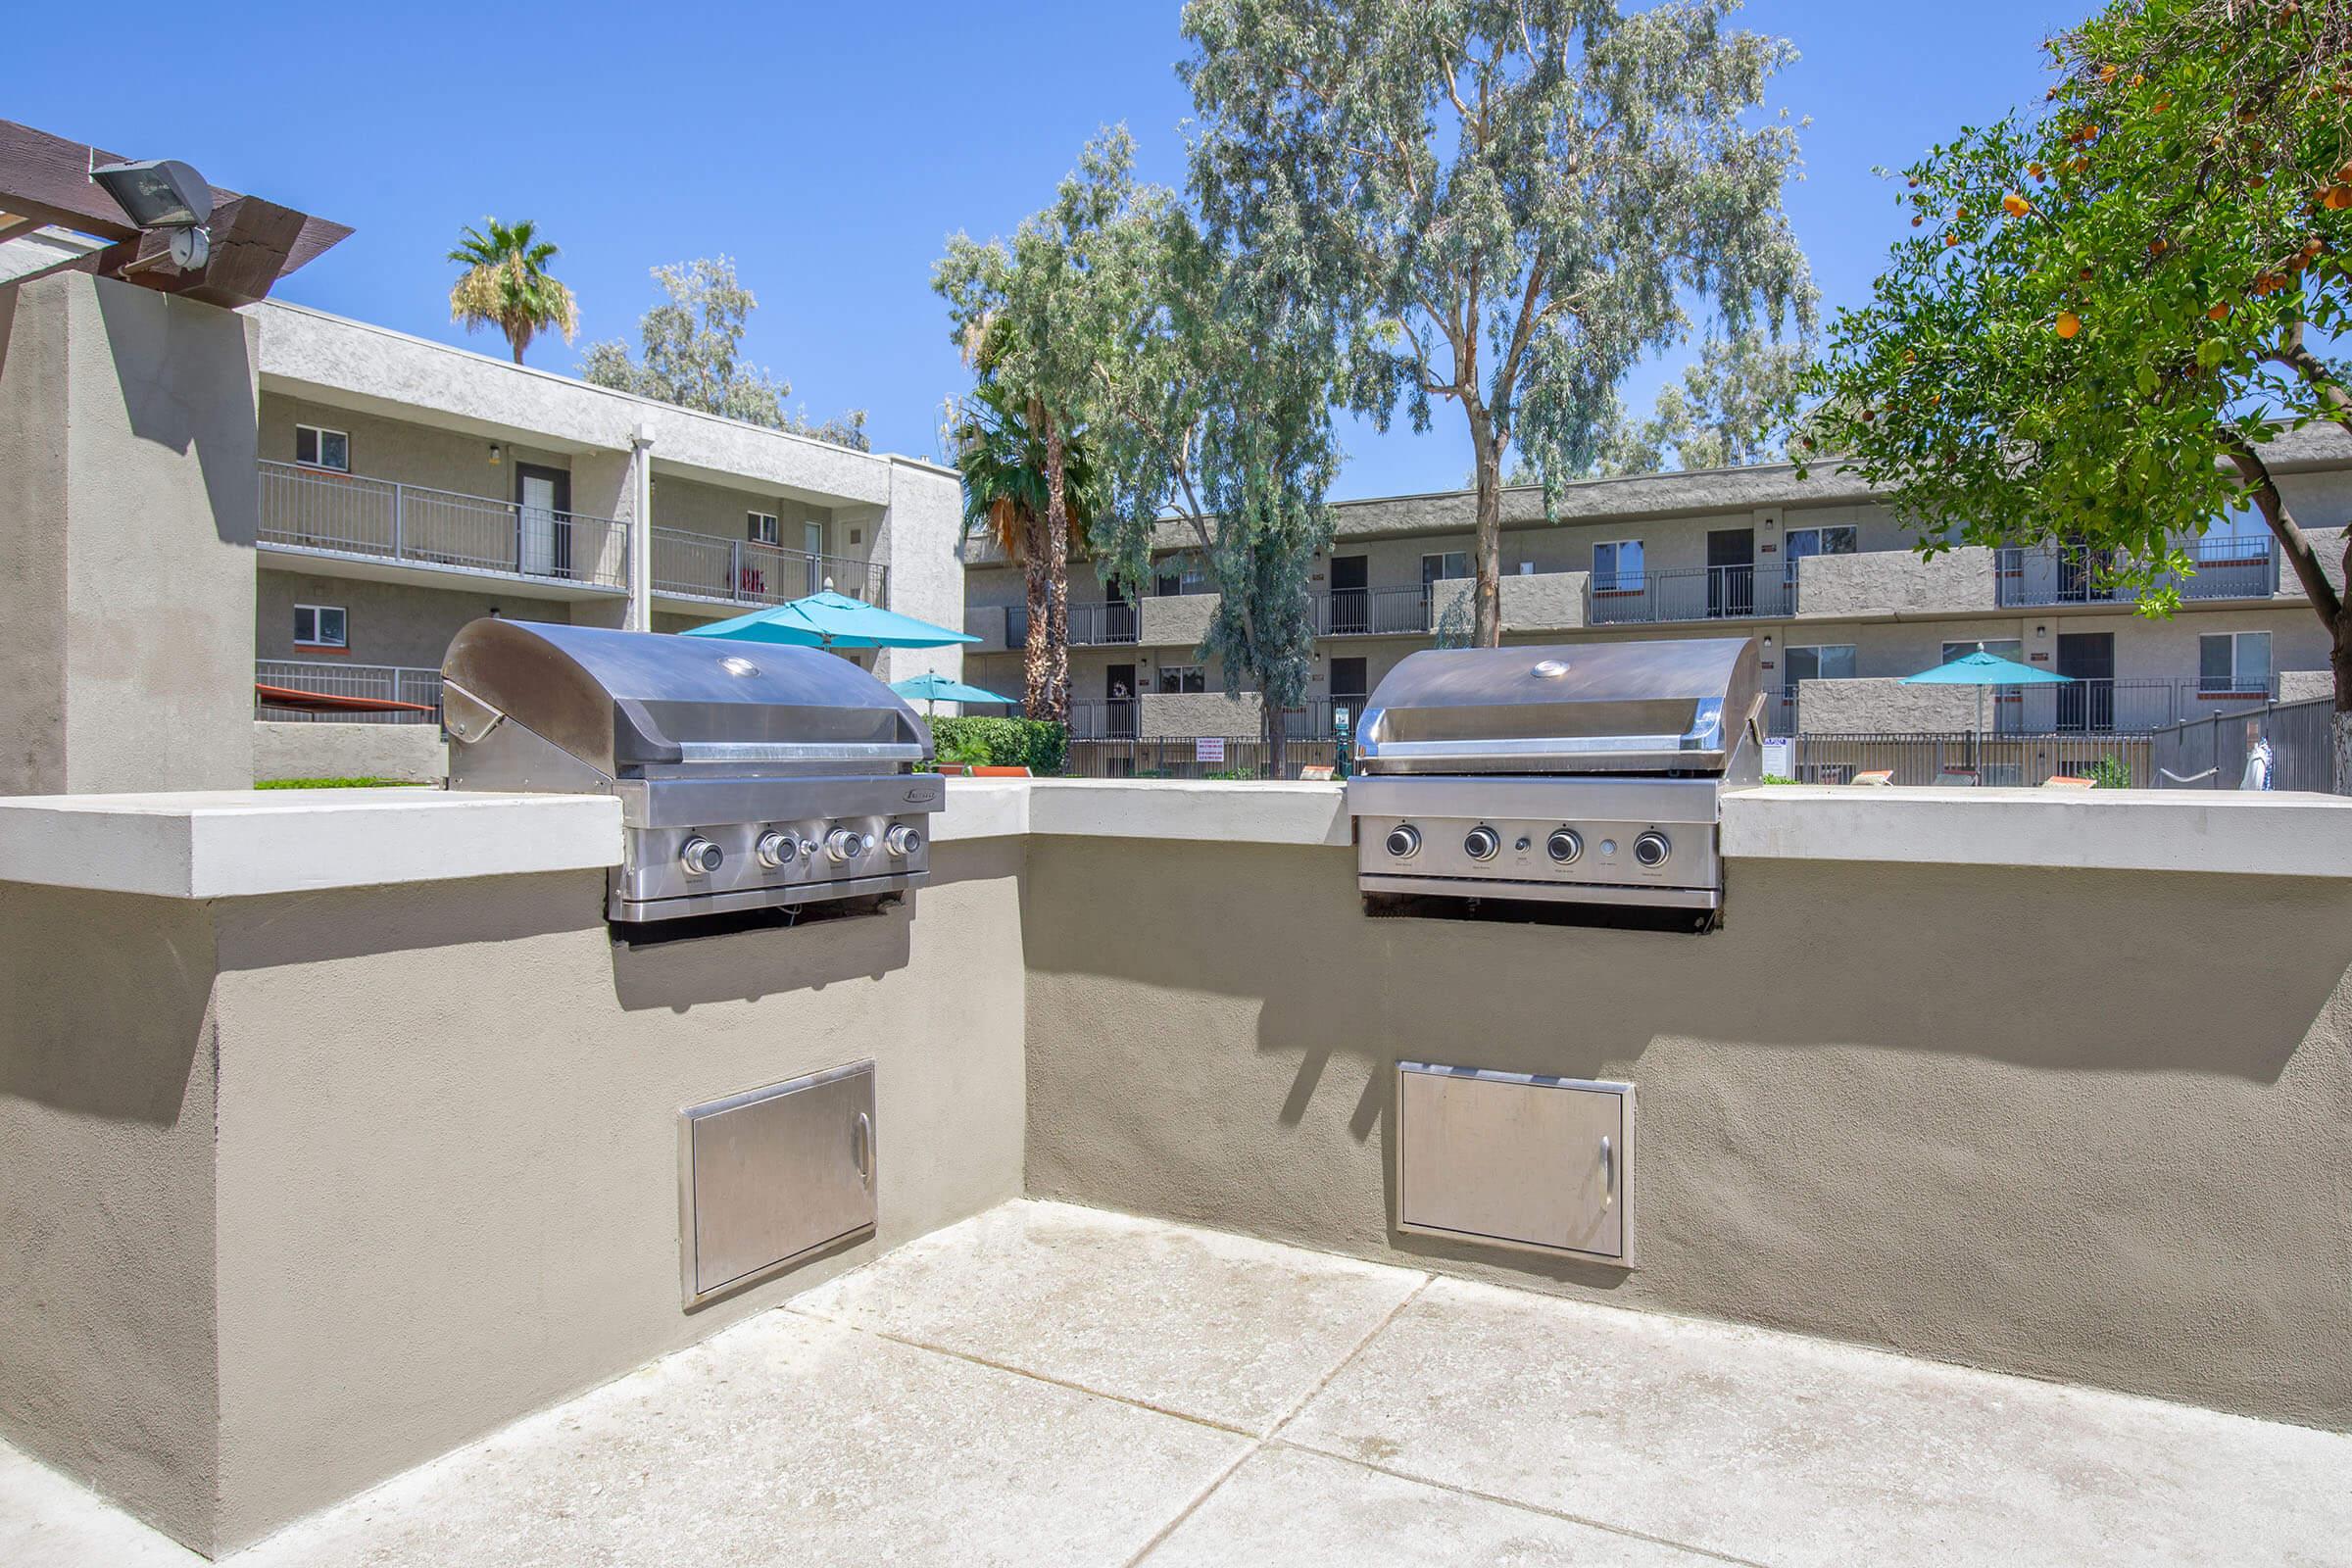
(1515, 1160)
(771, 1176)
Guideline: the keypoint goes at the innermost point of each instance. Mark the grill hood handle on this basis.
(638, 738)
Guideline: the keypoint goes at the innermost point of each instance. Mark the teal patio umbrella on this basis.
(1982, 670)
(935, 689)
(831, 621)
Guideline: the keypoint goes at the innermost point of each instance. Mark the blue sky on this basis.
(829, 149)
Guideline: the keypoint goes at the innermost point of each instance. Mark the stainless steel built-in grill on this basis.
(750, 776)
(1584, 774)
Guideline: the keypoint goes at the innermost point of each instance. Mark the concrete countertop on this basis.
(235, 844)
(225, 844)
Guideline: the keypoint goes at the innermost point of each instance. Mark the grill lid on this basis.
(627, 701)
(1616, 707)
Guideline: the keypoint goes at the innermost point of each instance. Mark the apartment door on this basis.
(2088, 657)
(1350, 595)
(1731, 572)
(1118, 702)
(1348, 681)
(542, 521)
(812, 541)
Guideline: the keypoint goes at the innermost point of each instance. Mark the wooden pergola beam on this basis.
(46, 179)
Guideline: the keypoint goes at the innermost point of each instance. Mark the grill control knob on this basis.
(1404, 841)
(1482, 844)
(779, 850)
(1651, 849)
(701, 857)
(843, 844)
(903, 841)
(1565, 846)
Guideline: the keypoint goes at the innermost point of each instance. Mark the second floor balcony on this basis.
(2224, 569)
(740, 571)
(353, 516)
(1697, 593)
(350, 515)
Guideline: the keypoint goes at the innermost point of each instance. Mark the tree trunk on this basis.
(1487, 593)
(2330, 604)
(1270, 726)
(2341, 659)
(1038, 592)
(1057, 568)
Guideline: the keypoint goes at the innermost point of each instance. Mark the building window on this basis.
(1830, 662)
(320, 627)
(1452, 564)
(2234, 662)
(1617, 566)
(760, 528)
(316, 448)
(1181, 575)
(1842, 540)
(1183, 678)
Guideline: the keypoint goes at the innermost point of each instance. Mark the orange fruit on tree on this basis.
(2339, 198)
(2220, 313)
(2069, 323)
(2015, 206)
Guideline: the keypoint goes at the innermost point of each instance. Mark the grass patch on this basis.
(336, 783)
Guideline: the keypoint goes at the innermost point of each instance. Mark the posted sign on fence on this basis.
(1208, 749)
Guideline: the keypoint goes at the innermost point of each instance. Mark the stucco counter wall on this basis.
(303, 1187)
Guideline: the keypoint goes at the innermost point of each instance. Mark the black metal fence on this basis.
(2009, 760)
(1194, 756)
(2210, 753)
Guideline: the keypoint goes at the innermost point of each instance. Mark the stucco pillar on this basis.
(128, 504)
(915, 538)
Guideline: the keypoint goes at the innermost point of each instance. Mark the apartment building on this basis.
(1817, 569)
(408, 487)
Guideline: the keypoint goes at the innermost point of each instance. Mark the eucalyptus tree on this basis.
(506, 285)
(2106, 312)
(1510, 200)
(1210, 407)
(691, 353)
(1731, 407)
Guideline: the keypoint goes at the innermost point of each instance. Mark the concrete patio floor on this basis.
(1054, 1385)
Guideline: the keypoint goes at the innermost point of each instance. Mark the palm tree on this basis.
(1006, 490)
(1048, 506)
(505, 284)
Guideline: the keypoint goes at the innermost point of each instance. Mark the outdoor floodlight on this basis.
(163, 194)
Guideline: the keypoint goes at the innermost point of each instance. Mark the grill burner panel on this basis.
(749, 778)
(1587, 774)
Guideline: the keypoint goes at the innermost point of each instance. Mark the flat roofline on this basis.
(652, 406)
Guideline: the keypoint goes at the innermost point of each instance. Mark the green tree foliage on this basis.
(976, 740)
(692, 356)
(1210, 406)
(1733, 408)
(997, 443)
(1020, 311)
(2108, 309)
(505, 284)
(1507, 200)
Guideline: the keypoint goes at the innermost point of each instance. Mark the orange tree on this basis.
(2107, 311)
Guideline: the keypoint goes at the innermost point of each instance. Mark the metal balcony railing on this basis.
(702, 566)
(398, 683)
(2226, 568)
(1374, 613)
(353, 515)
(1698, 593)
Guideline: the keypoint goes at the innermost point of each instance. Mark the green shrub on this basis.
(1038, 745)
(1777, 778)
(2110, 773)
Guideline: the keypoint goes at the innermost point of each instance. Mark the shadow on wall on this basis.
(762, 960)
(2075, 970)
(179, 365)
(123, 1045)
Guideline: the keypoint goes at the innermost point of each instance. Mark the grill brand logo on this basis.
(917, 797)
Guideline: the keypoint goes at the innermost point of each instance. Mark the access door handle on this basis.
(1608, 1173)
(866, 1149)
